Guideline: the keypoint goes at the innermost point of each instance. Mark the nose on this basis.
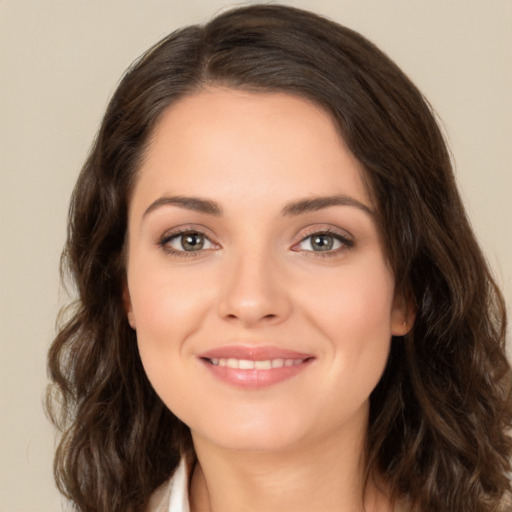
(254, 293)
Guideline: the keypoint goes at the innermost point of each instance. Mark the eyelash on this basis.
(168, 237)
(346, 243)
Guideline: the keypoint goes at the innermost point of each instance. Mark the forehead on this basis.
(226, 141)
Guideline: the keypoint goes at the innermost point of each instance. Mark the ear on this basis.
(127, 303)
(403, 314)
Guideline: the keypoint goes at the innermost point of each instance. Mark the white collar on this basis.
(178, 489)
(172, 495)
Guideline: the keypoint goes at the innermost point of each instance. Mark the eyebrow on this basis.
(314, 204)
(310, 204)
(190, 203)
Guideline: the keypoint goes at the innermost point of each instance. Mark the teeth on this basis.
(232, 363)
(247, 364)
(263, 365)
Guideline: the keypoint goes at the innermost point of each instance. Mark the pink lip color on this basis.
(254, 378)
(253, 353)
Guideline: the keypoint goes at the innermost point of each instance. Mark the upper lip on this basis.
(253, 353)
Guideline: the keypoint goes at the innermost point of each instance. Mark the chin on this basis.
(256, 436)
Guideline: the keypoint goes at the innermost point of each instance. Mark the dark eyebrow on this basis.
(317, 203)
(309, 204)
(190, 203)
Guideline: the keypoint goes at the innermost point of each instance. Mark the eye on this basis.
(324, 242)
(189, 241)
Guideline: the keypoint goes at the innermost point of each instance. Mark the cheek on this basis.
(167, 310)
(164, 319)
(354, 303)
(355, 315)
(163, 300)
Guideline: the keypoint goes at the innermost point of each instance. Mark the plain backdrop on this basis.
(59, 64)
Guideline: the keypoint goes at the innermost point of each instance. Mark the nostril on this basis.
(250, 305)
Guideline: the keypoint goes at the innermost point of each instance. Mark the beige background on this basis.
(59, 63)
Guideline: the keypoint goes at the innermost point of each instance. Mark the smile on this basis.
(254, 367)
(248, 364)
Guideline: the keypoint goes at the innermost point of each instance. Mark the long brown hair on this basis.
(439, 417)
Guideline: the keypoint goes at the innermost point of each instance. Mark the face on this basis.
(256, 280)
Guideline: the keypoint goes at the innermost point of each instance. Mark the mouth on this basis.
(254, 367)
(249, 364)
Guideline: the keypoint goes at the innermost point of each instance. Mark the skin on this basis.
(259, 280)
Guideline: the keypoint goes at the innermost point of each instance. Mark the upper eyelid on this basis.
(187, 228)
(323, 229)
(343, 236)
(177, 234)
(303, 234)
(163, 242)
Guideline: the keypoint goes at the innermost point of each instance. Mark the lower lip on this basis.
(255, 379)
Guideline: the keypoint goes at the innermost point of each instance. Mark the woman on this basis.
(281, 304)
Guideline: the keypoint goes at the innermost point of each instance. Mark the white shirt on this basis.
(172, 496)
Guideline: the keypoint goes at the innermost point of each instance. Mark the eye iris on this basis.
(322, 242)
(192, 242)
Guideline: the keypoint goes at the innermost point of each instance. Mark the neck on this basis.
(325, 475)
